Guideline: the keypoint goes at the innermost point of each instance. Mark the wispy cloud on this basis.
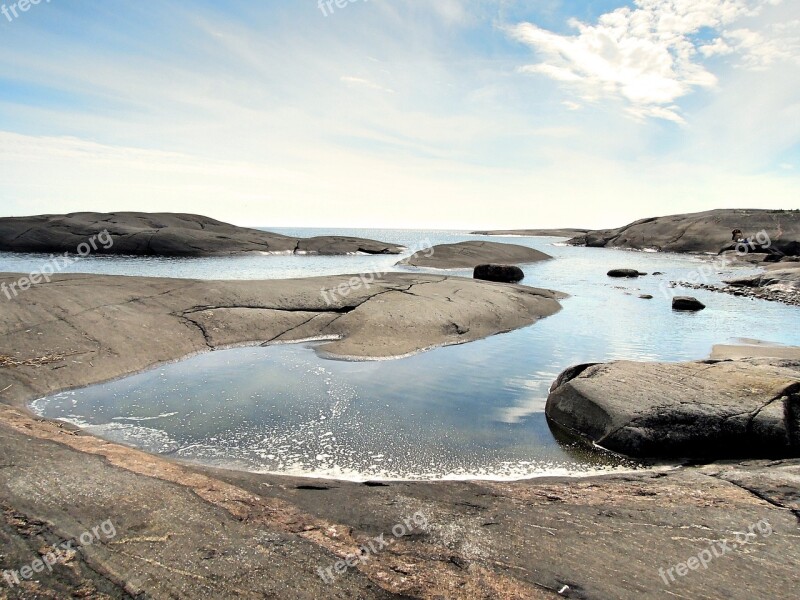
(649, 56)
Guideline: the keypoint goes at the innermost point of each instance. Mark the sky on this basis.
(454, 114)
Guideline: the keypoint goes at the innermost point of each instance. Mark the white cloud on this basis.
(366, 83)
(648, 56)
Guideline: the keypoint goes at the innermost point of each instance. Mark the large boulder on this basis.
(748, 408)
(499, 273)
(687, 303)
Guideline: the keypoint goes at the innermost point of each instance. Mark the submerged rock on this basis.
(499, 273)
(746, 409)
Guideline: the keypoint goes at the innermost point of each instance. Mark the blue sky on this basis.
(401, 113)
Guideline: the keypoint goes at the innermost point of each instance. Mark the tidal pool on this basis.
(471, 411)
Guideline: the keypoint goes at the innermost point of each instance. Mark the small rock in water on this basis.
(646, 297)
(687, 303)
(624, 273)
(499, 273)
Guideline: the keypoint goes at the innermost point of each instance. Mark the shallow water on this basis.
(471, 411)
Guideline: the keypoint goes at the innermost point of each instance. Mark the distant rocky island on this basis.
(568, 233)
(468, 255)
(703, 232)
(167, 234)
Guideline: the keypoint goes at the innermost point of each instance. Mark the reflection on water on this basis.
(475, 410)
(282, 409)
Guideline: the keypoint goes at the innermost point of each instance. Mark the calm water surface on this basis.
(459, 412)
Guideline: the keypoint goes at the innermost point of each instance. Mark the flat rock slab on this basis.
(165, 234)
(708, 231)
(783, 275)
(468, 255)
(747, 408)
(97, 328)
(191, 532)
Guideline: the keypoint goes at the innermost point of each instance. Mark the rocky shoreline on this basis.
(186, 531)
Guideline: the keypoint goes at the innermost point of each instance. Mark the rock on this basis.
(165, 234)
(687, 303)
(646, 297)
(468, 255)
(126, 324)
(747, 409)
(499, 273)
(707, 231)
(624, 273)
(567, 233)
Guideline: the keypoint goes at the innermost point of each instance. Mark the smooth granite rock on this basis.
(468, 255)
(164, 234)
(699, 410)
(709, 231)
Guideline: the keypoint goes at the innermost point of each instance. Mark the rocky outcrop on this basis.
(251, 535)
(468, 255)
(164, 234)
(779, 277)
(499, 273)
(697, 232)
(121, 325)
(699, 410)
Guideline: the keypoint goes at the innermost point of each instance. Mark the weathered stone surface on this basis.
(747, 408)
(121, 325)
(499, 273)
(184, 531)
(687, 303)
(708, 231)
(468, 255)
(165, 234)
(782, 275)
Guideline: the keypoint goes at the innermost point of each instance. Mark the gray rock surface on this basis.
(185, 531)
(121, 325)
(696, 232)
(165, 234)
(499, 273)
(746, 409)
(784, 275)
(468, 255)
